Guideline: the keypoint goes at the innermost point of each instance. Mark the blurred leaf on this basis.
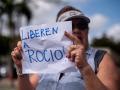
(4, 45)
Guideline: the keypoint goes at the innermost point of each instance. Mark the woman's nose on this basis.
(76, 31)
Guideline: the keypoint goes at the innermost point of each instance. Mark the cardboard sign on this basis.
(44, 48)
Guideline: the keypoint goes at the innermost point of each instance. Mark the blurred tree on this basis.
(14, 10)
(104, 41)
(4, 45)
(12, 13)
(107, 42)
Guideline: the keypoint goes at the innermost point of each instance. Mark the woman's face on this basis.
(80, 30)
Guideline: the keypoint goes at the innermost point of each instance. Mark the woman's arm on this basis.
(107, 77)
(25, 82)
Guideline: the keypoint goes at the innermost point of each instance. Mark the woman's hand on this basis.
(16, 55)
(27, 82)
(76, 52)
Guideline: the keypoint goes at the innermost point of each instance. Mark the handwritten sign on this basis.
(44, 48)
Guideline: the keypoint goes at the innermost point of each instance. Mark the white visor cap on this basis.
(72, 14)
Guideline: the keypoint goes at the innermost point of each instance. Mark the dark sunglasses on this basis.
(79, 24)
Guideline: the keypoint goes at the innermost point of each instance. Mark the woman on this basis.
(89, 75)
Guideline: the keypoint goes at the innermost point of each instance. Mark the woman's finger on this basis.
(19, 45)
(73, 38)
(70, 49)
(15, 59)
(17, 53)
(73, 55)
